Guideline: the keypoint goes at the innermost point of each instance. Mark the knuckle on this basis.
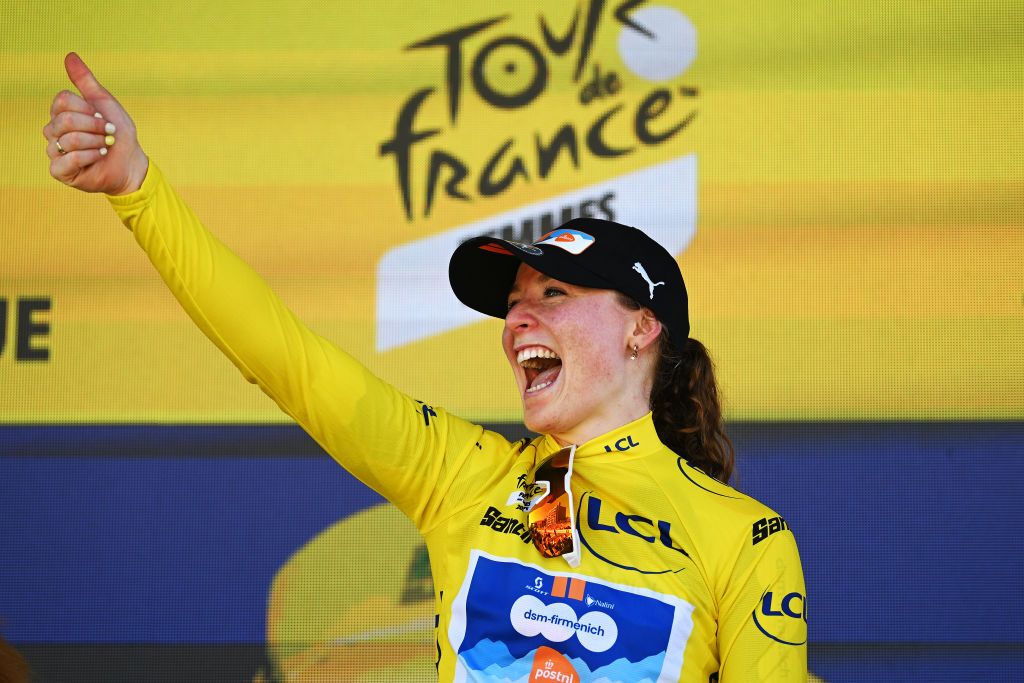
(80, 140)
(62, 121)
(62, 100)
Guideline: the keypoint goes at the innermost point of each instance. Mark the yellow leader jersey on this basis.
(682, 578)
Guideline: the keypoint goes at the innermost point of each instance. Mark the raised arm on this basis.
(410, 454)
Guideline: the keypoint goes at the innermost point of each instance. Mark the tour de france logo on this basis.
(642, 91)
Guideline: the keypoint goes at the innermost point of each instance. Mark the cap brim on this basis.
(482, 271)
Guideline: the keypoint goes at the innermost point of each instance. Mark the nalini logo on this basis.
(504, 71)
(591, 601)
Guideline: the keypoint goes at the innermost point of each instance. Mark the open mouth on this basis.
(542, 367)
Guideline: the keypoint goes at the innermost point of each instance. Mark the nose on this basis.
(520, 317)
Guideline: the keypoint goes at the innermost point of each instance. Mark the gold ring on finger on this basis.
(59, 148)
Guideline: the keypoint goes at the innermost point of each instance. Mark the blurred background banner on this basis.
(841, 182)
(856, 172)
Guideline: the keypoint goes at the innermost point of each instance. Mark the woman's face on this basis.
(569, 348)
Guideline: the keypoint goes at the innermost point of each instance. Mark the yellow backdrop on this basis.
(844, 180)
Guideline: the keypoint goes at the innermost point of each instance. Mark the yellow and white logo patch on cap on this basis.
(573, 241)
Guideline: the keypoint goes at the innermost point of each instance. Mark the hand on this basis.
(75, 129)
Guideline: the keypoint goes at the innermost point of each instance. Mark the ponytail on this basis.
(687, 413)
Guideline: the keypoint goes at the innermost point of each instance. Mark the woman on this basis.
(609, 548)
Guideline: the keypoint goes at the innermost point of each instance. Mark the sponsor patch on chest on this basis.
(515, 621)
(494, 520)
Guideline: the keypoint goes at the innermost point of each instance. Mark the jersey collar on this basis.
(636, 438)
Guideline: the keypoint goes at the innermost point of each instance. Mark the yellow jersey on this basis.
(681, 578)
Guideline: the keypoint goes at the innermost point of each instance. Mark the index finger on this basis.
(69, 101)
(94, 93)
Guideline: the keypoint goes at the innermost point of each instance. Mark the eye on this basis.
(548, 293)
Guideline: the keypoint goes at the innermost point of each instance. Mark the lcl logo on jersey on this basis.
(614, 537)
(621, 445)
(782, 616)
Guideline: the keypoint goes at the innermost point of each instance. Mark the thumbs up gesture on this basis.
(91, 140)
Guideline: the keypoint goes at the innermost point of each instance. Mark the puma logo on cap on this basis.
(638, 267)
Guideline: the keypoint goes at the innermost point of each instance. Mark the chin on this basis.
(550, 412)
(538, 422)
(533, 422)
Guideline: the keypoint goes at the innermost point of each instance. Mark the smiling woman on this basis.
(573, 303)
(579, 390)
(608, 548)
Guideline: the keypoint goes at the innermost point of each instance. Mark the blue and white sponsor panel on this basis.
(507, 611)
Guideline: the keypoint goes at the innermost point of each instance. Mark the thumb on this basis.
(94, 93)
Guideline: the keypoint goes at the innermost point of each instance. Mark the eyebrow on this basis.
(516, 287)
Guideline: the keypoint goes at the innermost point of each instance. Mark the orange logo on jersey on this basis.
(575, 588)
(549, 665)
(566, 237)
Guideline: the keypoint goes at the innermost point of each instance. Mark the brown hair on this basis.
(687, 411)
(685, 405)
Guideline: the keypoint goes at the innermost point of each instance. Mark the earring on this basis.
(636, 352)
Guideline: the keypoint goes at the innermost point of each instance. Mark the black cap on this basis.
(589, 252)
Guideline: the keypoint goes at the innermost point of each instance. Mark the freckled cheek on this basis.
(590, 364)
(599, 374)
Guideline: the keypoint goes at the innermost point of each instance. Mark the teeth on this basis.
(538, 387)
(535, 352)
